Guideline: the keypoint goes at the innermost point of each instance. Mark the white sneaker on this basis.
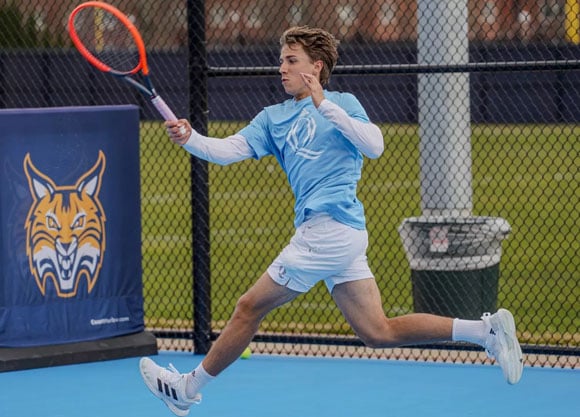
(502, 344)
(168, 385)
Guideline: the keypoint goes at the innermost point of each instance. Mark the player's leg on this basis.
(180, 391)
(297, 268)
(250, 310)
(360, 302)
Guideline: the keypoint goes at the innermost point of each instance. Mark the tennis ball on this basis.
(246, 353)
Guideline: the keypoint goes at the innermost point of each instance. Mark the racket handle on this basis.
(165, 111)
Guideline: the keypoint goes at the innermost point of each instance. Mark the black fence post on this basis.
(198, 106)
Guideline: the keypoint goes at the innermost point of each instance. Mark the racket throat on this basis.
(149, 92)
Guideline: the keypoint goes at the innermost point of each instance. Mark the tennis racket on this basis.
(110, 42)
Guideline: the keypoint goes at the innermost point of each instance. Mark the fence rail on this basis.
(550, 92)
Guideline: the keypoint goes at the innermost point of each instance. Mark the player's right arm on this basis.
(225, 151)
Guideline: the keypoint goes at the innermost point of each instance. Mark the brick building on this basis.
(230, 22)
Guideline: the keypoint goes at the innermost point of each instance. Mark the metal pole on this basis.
(444, 112)
(198, 109)
(454, 257)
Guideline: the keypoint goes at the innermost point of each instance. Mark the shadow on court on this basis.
(279, 386)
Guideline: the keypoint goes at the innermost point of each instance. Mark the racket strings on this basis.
(107, 39)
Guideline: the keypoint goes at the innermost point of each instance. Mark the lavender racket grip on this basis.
(165, 111)
(163, 108)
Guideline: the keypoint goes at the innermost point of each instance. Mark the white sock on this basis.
(196, 380)
(472, 331)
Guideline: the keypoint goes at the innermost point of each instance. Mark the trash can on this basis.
(454, 263)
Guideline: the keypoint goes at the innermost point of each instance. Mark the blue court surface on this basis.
(288, 386)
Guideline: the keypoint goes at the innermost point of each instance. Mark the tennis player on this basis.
(319, 138)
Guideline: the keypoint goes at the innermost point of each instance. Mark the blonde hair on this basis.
(318, 45)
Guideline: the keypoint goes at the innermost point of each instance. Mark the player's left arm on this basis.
(364, 135)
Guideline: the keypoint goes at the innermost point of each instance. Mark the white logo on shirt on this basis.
(301, 134)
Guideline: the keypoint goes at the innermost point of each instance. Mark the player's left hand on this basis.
(313, 84)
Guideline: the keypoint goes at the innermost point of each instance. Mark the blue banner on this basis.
(70, 225)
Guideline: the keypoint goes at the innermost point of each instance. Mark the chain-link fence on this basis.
(472, 206)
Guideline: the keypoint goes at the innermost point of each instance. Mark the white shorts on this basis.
(322, 249)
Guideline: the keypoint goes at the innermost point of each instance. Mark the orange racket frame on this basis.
(141, 66)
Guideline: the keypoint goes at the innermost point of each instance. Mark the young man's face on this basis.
(293, 61)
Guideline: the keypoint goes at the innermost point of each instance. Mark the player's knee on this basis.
(381, 335)
(373, 341)
(246, 308)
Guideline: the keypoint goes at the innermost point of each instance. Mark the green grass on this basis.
(525, 174)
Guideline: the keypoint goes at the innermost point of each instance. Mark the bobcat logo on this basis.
(65, 229)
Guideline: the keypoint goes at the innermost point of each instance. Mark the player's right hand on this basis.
(179, 131)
